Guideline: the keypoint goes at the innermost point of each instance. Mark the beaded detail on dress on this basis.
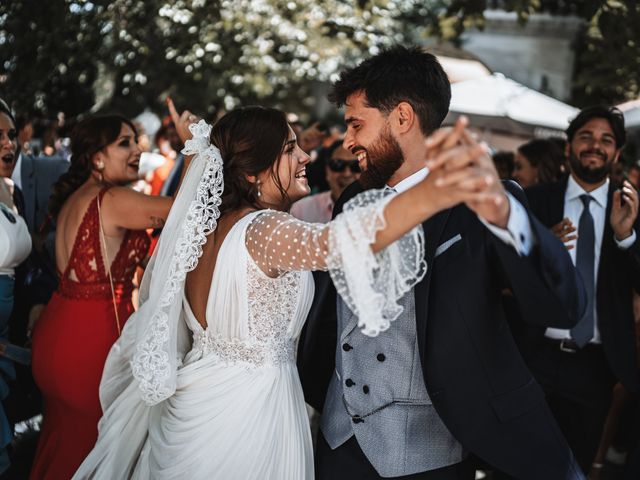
(252, 353)
(272, 306)
(87, 264)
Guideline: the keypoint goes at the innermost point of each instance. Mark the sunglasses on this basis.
(340, 165)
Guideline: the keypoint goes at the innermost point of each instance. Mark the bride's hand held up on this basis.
(462, 170)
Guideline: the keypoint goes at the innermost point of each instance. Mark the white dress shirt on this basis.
(573, 207)
(518, 233)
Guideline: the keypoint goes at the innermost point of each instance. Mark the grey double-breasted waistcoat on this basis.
(378, 394)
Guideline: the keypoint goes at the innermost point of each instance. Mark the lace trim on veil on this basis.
(151, 364)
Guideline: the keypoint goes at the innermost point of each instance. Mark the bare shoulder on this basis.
(78, 202)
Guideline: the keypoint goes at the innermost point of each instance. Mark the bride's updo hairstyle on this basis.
(87, 138)
(251, 140)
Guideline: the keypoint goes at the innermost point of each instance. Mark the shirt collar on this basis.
(599, 194)
(411, 180)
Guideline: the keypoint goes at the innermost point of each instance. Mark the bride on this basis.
(202, 383)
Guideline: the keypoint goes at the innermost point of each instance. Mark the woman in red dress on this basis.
(100, 240)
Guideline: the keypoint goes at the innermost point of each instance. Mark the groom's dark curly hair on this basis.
(399, 74)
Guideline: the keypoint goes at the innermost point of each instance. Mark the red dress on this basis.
(71, 341)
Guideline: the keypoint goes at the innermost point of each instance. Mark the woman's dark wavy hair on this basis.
(547, 156)
(251, 140)
(88, 137)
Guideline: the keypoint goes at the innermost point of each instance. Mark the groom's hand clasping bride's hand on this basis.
(467, 186)
(181, 120)
(459, 161)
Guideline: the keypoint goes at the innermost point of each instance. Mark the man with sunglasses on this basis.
(341, 170)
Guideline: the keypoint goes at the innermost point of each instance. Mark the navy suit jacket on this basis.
(38, 175)
(618, 276)
(473, 370)
(36, 277)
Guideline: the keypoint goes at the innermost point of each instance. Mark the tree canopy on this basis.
(77, 56)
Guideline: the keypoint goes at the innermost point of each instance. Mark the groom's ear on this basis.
(403, 117)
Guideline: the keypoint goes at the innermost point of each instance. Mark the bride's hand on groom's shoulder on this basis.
(181, 120)
(462, 167)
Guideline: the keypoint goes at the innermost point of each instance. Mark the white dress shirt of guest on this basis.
(342, 170)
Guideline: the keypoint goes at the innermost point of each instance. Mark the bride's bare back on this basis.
(198, 281)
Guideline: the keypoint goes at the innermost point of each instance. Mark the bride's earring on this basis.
(258, 187)
(99, 169)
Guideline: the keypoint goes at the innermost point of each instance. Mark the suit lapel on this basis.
(433, 229)
(351, 324)
(556, 201)
(607, 235)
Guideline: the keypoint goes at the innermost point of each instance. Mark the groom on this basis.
(446, 379)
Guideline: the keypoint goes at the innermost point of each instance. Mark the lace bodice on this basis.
(87, 264)
(275, 309)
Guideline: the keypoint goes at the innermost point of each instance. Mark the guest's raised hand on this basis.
(624, 210)
(181, 120)
(565, 231)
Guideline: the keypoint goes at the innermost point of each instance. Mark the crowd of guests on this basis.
(587, 385)
(77, 238)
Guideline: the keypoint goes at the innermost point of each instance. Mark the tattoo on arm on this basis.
(157, 222)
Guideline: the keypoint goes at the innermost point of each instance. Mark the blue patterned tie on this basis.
(585, 255)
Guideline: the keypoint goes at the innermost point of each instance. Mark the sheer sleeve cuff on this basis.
(372, 283)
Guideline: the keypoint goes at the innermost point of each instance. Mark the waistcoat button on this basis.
(381, 357)
(349, 383)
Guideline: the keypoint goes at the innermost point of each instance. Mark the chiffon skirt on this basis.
(223, 422)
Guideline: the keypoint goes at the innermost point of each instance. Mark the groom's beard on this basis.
(384, 157)
(588, 174)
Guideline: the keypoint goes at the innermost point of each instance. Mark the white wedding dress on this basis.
(226, 402)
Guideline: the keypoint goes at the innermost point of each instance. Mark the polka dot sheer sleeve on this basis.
(278, 243)
(369, 283)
